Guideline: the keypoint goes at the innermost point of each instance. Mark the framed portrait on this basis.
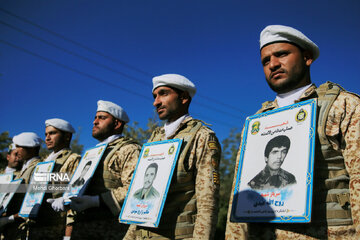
(148, 189)
(84, 172)
(36, 189)
(6, 196)
(5, 179)
(275, 173)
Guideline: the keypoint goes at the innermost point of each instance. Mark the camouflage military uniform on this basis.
(50, 224)
(342, 130)
(110, 181)
(191, 205)
(264, 180)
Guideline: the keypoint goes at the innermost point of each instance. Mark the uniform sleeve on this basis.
(235, 230)
(71, 164)
(343, 131)
(123, 167)
(207, 184)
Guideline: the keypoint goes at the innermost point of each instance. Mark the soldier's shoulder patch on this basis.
(216, 178)
(212, 145)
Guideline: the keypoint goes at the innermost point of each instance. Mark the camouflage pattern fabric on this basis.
(102, 221)
(343, 132)
(200, 169)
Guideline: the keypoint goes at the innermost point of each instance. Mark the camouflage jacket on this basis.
(121, 165)
(343, 131)
(194, 206)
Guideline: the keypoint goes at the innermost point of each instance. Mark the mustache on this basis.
(276, 72)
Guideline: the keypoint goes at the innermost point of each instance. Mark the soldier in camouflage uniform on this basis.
(27, 147)
(98, 209)
(14, 164)
(286, 55)
(50, 224)
(191, 206)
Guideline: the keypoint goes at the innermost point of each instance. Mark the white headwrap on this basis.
(280, 33)
(113, 109)
(175, 80)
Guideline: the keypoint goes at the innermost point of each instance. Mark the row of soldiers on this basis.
(191, 207)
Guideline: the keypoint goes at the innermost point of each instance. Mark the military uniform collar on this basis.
(309, 93)
(181, 125)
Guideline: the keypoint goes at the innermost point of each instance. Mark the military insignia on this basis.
(301, 115)
(255, 128)
(216, 178)
(146, 152)
(212, 145)
(85, 155)
(171, 149)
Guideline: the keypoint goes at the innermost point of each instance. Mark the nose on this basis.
(156, 102)
(274, 63)
(95, 122)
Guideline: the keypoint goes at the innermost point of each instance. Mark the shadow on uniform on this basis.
(250, 200)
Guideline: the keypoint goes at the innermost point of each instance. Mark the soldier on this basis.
(58, 134)
(273, 176)
(191, 205)
(286, 55)
(97, 210)
(14, 164)
(27, 147)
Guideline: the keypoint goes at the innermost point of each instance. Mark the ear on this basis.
(266, 159)
(308, 58)
(118, 124)
(184, 97)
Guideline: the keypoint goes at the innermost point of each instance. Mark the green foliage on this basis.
(230, 146)
(75, 145)
(134, 131)
(5, 141)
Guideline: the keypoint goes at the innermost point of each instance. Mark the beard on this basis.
(295, 79)
(104, 132)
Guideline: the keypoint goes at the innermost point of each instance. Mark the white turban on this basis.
(27, 139)
(280, 33)
(60, 124)
(11, 147)
(113, 109)
(175, 80)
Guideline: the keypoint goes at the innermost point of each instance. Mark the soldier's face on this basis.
(167, 103)
(54, 139)
(104, 126)
(285, 66)
(149, 177)
(276, 157)
(23, 154)
(13, 161)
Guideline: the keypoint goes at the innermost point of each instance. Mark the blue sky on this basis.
(213, 43)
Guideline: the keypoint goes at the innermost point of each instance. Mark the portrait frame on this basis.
(92, 155)
(146, 211)
(4, 204)
(283, 195)
(33, 198)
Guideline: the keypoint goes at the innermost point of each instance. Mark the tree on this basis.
(230, 147)
(5, 141)
(139, 134)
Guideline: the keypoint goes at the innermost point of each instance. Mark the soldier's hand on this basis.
(57, 204)
(82, 203)
(6, 220)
